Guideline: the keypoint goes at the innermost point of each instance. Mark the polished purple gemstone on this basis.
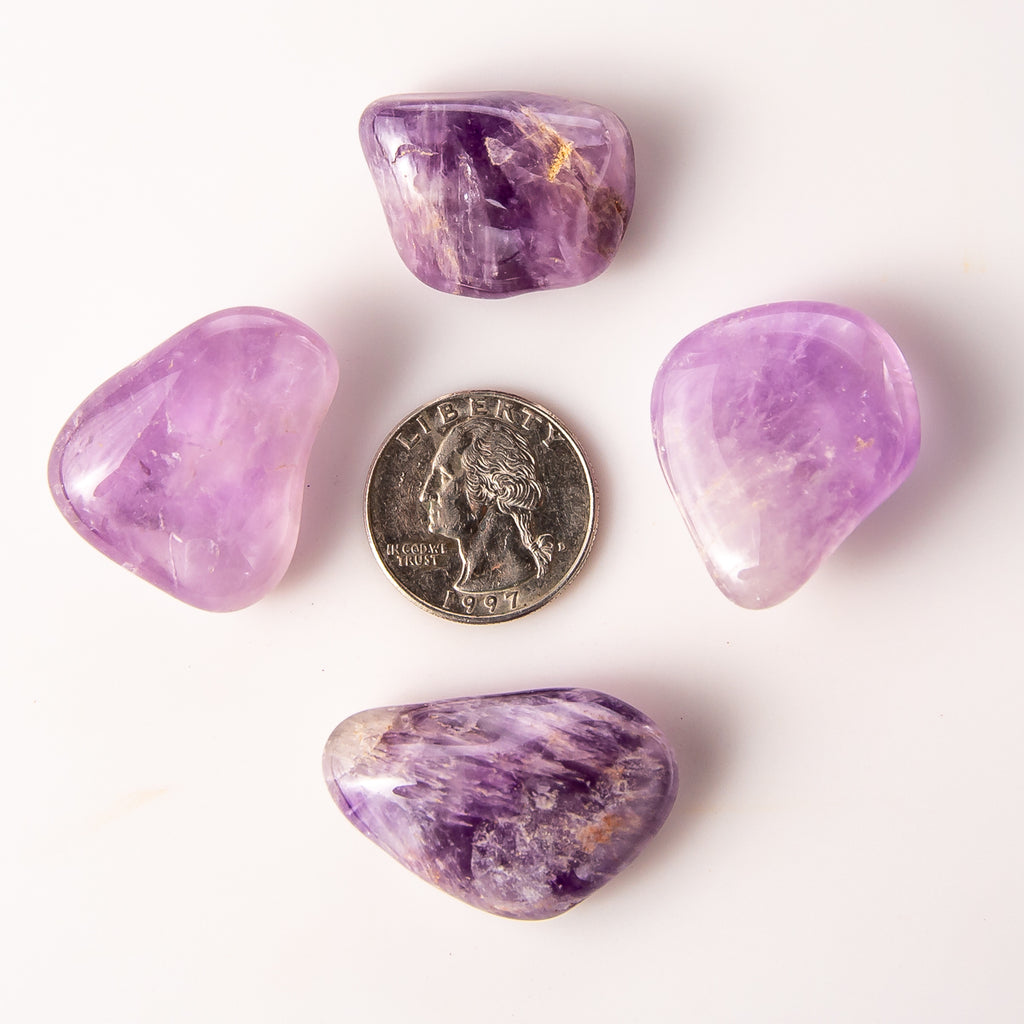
(521, 804)
(187, 467)
(502, 192)
(779, 428)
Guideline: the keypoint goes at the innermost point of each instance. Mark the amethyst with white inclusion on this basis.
(503, 192)
(521, 804)
(779, 429)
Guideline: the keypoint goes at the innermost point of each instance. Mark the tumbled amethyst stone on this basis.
(502, 192)
(779, 428)
(187, 467)
(521, 804)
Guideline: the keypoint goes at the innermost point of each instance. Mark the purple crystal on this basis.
(521, 804)
(503, 192)
(779, 428)
(187, 466)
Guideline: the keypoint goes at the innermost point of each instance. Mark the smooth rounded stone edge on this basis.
(499, 193)
(187, 467)
(779, 429)
(519, 804)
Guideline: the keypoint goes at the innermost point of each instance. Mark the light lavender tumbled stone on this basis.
(521, 804)
(779, 429)
(503, 192)
(187, 467)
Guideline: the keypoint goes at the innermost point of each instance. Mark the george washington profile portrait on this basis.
(482, 492)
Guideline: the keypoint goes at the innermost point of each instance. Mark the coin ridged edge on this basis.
(578, 561)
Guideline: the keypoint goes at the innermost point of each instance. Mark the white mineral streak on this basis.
(352, 744)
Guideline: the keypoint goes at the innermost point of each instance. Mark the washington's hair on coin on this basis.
(480, 506)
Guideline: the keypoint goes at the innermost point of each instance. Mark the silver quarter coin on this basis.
(480, 506)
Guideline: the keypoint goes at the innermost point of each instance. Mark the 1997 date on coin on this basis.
(471, 604)
(480, 506)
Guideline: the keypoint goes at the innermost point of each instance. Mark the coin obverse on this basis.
(480, 506)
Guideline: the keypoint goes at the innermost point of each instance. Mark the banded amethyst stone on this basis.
(779, 429)
(521, 804)
(503, 192)
(187, 467)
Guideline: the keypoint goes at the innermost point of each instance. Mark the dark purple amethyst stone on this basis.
(521, 804)
(503, 192)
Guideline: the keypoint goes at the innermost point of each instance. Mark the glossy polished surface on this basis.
(844, 848)
(501, 193)
(187, 466)
(521, 804)
(779, 429)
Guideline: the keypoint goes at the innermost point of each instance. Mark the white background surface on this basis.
(847, 846)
